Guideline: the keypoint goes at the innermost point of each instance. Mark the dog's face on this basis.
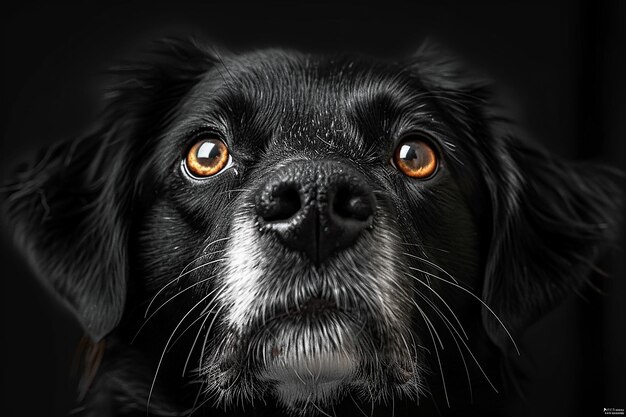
(316, 200)
(308, 220)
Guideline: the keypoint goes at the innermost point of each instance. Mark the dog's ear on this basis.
(71, 210)
(550, 218)
(551, 221)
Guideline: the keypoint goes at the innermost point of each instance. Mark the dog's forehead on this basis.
(295, 96)
(303, 82)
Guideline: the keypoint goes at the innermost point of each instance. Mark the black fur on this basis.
(111, 223)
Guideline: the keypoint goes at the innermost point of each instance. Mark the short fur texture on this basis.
(191, 305)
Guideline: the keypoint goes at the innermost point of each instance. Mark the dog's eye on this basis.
(415, 158)
(207, 157)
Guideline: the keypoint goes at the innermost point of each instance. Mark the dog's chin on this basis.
(308, 381)
(310, 359)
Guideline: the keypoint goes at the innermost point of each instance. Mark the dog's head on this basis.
(311, 216)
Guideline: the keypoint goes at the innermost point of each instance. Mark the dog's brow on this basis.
(381, 111)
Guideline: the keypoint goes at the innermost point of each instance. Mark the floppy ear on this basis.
(550, 224)
(71, 211)
(550, 218)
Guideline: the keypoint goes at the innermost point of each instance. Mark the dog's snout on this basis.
(316, 207)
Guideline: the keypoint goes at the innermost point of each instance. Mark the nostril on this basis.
(349, 204)
(283, 203)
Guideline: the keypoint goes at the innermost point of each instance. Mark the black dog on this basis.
(277, 233)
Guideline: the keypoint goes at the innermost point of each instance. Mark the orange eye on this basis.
(207, 157)
(415, 158)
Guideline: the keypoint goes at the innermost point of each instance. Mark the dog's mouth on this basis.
(318, 351)
(296, 336)
(314, 306)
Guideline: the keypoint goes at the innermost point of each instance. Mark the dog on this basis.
(280, 233)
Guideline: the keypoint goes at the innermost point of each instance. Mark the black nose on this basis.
(316, 207)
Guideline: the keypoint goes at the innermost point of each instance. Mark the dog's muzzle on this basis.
(312, 291)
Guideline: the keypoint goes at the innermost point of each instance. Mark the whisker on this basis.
(443, 378)
(442, 300)
(166, 346)
(169, 300)
(195, 340)
(449, 326)
(421, 245)
(193, 285)
(206, 311)
(195, 401)
(357, 404)
(199, 406)
(197, 319)
(432, 326)
(183, 273)
(434, 265)
(203, 314)
(478, 299)
(214, 242)
(206, 336)
(470, 352)
(319, 409)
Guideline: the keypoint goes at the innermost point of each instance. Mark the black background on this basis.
(561, 67)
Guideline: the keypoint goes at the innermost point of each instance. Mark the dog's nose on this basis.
(316, 207)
